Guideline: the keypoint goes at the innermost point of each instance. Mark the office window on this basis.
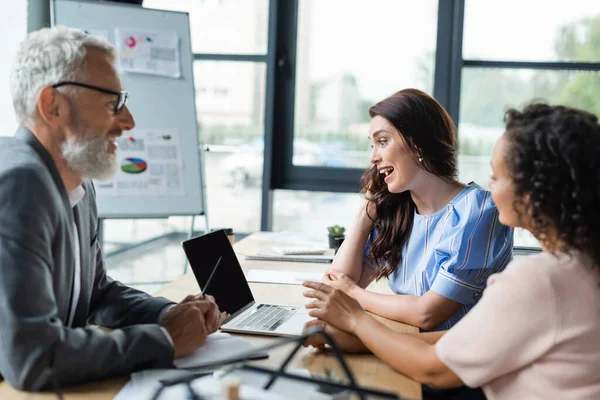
(223, 26)
(230, 111)
(13, 28)
(346, 62)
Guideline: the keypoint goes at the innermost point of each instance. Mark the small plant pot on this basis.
(332, 241)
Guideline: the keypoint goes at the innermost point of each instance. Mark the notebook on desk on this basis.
(270, 254)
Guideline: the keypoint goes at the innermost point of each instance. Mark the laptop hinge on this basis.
(247, 306)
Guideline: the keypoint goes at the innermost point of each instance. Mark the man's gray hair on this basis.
(46, 57)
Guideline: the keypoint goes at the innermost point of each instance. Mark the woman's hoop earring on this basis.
(420, 159)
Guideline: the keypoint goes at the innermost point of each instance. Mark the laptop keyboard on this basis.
(265, 318)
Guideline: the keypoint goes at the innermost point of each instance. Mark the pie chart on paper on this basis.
(133, 165)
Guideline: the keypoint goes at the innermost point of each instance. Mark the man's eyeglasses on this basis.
(122, 95)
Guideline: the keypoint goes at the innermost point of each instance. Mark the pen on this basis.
(210, 278)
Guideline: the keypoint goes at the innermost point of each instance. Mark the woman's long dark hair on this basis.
(553, 158)
(430, 134)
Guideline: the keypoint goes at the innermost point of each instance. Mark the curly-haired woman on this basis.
(534, 333)
(436, 239)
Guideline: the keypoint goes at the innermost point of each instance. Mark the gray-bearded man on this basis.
(53, 283)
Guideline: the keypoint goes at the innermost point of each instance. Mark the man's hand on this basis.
(345, 341)
(213, 318)
(186, 325)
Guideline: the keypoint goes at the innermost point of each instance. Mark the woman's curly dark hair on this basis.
(553, 158)
(430, 135)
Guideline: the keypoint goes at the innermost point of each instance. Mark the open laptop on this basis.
(230, 289)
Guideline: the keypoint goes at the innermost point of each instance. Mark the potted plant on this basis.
(335, 231)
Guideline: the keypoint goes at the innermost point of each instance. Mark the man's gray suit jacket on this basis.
(37, 265)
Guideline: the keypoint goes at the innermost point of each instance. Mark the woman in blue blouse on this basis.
(436, 239)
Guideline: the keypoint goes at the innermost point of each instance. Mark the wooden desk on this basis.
(368, 370)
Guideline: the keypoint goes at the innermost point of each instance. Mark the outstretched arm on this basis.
(349, 343)
(427, 311)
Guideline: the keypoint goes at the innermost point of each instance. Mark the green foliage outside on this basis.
(583, 90)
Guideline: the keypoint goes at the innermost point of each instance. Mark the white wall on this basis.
(13, 28)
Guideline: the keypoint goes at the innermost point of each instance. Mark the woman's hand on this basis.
(345, 341)
(332, 306)
(341, 281)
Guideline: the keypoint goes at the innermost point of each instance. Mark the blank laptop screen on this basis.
(229, 286)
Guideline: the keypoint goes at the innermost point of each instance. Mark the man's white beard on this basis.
(90, 157)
